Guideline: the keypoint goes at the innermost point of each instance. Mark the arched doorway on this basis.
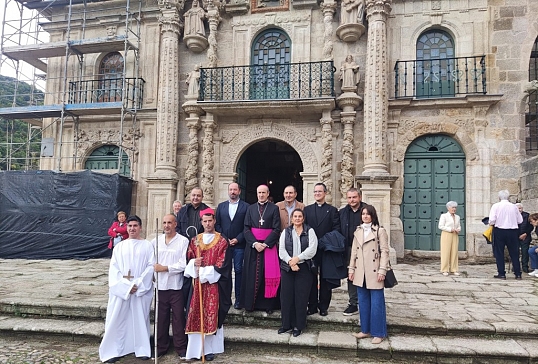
(434, 173)
(271, 162)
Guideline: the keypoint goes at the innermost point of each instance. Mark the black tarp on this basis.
(50, 215)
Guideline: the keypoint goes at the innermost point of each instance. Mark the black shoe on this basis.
(144, 358)
(323, 312)
(311, 311)
(161, 354)
(182, 356)
(209, 357)
(283, 330)
(498, 276)
(296, 332)
(351, 310)
(526, 270)
(236, 305)
(112, 360)
(269, 312)
(518, 277)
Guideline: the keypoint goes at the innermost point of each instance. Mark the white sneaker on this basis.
(534, 273)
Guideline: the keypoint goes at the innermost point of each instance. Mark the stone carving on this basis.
(111, 31)
(191, 172)
(285, 21)
(352, 12)
(193, 83)
(87, 140)
(208, 162)
(214, 20)
(327, 156)
(349, 75)
(436, 4)
(194, 20)
(531, 86)
(232, 147)
(328, 7)
(347, 164)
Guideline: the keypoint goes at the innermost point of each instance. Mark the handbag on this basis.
(390, 278)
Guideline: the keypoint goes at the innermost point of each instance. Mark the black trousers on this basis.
(171, 300)
(325, 293)
(510, 239)
(294, 290)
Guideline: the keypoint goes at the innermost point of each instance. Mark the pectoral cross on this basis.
(128, 276)
(262, 221)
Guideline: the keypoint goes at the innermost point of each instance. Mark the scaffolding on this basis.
(49, 51)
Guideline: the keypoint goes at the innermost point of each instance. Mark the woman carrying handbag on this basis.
(367, 269)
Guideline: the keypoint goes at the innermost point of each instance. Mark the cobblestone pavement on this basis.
(37, 351)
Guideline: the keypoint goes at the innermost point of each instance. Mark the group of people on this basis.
(285, 256)
(513, 229)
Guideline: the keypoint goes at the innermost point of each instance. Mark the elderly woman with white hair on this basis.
(449, 223)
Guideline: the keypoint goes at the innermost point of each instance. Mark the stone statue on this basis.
(349, 74)
(192, 81)
(351, 12)
(194, 20)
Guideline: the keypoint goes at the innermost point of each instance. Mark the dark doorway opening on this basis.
(273, 163)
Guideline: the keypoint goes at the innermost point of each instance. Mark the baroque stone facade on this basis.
(341, 140)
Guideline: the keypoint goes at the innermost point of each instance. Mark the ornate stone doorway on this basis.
(271, 162)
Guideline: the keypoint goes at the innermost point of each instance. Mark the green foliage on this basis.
(17, 140)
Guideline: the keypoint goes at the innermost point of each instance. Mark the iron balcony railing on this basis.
(288, 81)
(108, 90)
(446, 77)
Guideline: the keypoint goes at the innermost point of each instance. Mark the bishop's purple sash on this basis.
(272, 265)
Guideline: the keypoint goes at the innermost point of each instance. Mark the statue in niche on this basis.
(349, 74)
(352, 12)
(193, 82)
(194, 20)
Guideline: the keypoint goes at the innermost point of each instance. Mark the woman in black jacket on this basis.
(297, 246)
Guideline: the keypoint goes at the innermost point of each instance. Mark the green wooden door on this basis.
(434, 173)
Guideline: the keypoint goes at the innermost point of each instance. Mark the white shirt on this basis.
(232, 208)
(505, 215)
(174, 256)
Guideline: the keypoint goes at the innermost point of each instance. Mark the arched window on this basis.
(270, 70)
(111, 78)
(531, 116)
(106, 157)
(435, 64)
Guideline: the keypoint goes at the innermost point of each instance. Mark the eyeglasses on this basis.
(319, 191)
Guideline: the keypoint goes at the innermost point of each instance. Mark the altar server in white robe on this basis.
(127, 327)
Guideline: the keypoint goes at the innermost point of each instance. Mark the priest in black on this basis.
(261, 270)
(323, 218)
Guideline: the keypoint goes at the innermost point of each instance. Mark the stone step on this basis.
(327, 343)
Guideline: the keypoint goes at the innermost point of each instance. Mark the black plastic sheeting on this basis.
(50, 215)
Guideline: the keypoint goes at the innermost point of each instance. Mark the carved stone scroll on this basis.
(328, 7)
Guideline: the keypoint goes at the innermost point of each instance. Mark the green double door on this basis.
(434, 174)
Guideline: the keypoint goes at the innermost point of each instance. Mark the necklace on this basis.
(261, 214)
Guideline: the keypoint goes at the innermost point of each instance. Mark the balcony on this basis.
(107, 91)
(437, 78)
(268, 90)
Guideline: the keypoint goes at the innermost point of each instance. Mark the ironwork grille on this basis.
(107, 90)
(289, 81)
(531, 116)
(440, 77)
(106, 157)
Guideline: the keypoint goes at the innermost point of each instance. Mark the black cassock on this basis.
(253, 284)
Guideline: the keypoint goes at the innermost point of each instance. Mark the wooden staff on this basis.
(156, 291)
(201, 304)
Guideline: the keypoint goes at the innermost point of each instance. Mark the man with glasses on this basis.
(323, 218)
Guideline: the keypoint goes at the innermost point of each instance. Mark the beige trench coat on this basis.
(365, 260)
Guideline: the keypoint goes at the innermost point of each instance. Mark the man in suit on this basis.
(350, 218)
(525, 229)
(177, 207)
(323, 218)
(231, 223)
(287, 206)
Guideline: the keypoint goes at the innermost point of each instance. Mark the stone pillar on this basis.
(309, 181)
(376, 89)
(161, 195)
(327, 152)
(208, 162)
(168, 94)
(348, 101)
(328, 7)
(193, 124)
(213, 16)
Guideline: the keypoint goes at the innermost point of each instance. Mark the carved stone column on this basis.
(328, 7)
(208, 162)
(168, 96)
(327, 153)
(213, 16)
(376, 89)
(193, 124)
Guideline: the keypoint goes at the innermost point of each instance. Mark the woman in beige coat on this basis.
(449, 223)
(367, 269)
